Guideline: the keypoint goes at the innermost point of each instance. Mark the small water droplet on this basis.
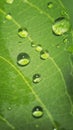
(4, 21)
(9, 1)
(64, 13)
(36, 78)
(37, 112)
(22, 32)
(33, 44)
(55, 129)
(58, 46)
(50, 5)
(44, 55)
(8, 16)
(61, 26)
(9, 108)
(70, 49)
(38, 48)
(37, 126)
(65, 40)
(23, 59)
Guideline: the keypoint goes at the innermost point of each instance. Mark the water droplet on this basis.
(9, 1)
(36, 78)
(64, 13)
(65, 40)
(23, 59)
(70, 49)
(58, 46)
(38, 48)
(22, 32)
(44, 55)
(50, 5)
(9, 108)
(37, 126)
(55, 129)
(8, 16)
(61, 26)
(37, 112)
(33, 44)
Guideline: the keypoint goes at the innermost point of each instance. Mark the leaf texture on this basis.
(18, 94)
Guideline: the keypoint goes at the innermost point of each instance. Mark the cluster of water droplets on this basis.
(59, 27)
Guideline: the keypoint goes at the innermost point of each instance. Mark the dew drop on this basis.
(37, 126)
(65, 40)
(58, 46)
(70, 49)
(64, 13)
(44, 55)
(38, 48)
(54, 128)
(8, 16)
(22, 32)
(33, 44)
(36, 78)
(50, 5)
(9, 1)
(37, 112)
(9, 108)
(23, 59)
(61, 26)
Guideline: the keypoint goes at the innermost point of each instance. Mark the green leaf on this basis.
(26, 29)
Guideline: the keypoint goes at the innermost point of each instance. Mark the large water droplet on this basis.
(8, 16)
(50, 4)
(37, 112)
(38, 48)
(9, 1)
(61, 26)
(44, 55)
(23, 59)
(22, 32)
(36, 78)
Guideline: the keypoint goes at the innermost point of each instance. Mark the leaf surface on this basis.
(18, 94)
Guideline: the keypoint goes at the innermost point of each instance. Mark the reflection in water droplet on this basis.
(44, 55)
(22, 32)
(8, 16)
(50, 5)
(9, 1)
(23, 59)
(36, 78)
(38, 48)
(37, 112)
(61, 26)
(33, 44)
